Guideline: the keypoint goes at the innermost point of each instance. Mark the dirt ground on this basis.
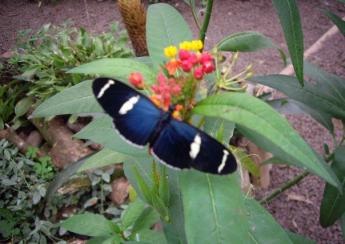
(298, 214)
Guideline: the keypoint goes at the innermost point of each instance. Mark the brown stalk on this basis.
(134, 17)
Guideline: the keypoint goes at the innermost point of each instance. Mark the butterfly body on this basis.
(172, 142)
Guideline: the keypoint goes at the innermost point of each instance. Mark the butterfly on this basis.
(172, 142)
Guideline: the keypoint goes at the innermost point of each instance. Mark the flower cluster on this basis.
(189, 59)
(177, 82)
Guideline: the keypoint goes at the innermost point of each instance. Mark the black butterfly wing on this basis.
(181, 145)
(134, 115)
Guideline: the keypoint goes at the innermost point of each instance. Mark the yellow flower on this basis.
(186, 45)
(197, 45)
(170, 51)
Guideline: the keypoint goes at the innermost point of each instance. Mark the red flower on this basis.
(186, 65)
(198, 73)
(193, 59)
(208, 67)
(137, 80)
(205, 57)
(184, 54)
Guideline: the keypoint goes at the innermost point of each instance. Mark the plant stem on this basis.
(195, 17)
(286, 186)
(206, 21)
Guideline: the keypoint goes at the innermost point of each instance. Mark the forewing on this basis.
(134, 115)
(181, 145)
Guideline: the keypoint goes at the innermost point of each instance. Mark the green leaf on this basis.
(151, 236)
(2, 124)
(114, 238)
(143, 187)
(213, 208)
(146, 220)
(23, 106)
(160, 207)
(299, 239)
(101, 130)
(165, 26)
(119, 68)
(144, 165)
(342, 223)
(174, 230)
(132, 213)
(74, 100)
(89, 224)
(314, 96)
(164, 185)
(331, 85)
(265, 127)
(333, 202)
(290, 106)
(246, 161)
(336, 20)
(263, 227)
(290, 21)
(248, 41)
(212, 126)
(102, 158)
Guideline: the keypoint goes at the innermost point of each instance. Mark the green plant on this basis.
(21, 192)
(43, 166)
(195, 207)
(24, 184)
(135, 222)
(323, 100)
(43, 58)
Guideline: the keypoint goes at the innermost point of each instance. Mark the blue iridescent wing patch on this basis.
(174, 143)
(135, 117)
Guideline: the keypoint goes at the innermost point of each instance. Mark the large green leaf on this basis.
(263, 227)
(102, 158)
(214, 126)
(74, 100)
(89, 224)
(144, 166)
(333, 202)
(290, 106)
(320, 98)
(151, 237)
(23, 106)
(213, 208)
(119, 68)
(101, 130)
(248, 41)
(267, 128)
(330, 85)
(336, 20)
(299, 239)
(174, 230)
(132, 213)
(165, 26)
(290, 21)
(146, 220)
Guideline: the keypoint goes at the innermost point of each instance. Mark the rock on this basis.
(34, 139)
(120, 188)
